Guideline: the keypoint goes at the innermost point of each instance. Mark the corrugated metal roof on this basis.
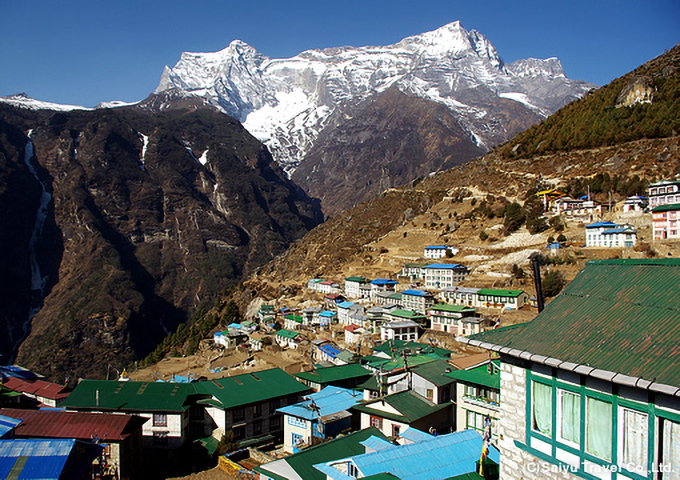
(130, 396)
(409, 404)
(301, 463)
(78, 425)
(251, 387)
(620, 316)
(7, 424)
(45, 459)
(334, 374)
(443, 456)
(36, 387)
(328, 401)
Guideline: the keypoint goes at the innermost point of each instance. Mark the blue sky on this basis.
(84, 52)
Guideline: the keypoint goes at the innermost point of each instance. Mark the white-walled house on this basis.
(436, 252)
(319, 417)
(611, 235)
(356, 287)
(416, 300)
(664, 193)
(442, 275)
(460, 295)
(405, 330)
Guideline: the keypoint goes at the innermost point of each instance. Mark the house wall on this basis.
(470, 413)
(386, 426)
(294, 426)
(175, 430)
(529, 454)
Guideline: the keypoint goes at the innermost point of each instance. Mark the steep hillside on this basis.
(455, 206)
(145, 220)
(389, 142)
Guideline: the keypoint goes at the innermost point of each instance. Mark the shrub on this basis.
(553, 283)
(483, 235)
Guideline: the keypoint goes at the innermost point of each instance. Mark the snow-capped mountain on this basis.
(286, 103)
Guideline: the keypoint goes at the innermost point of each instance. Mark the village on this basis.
(428, 372)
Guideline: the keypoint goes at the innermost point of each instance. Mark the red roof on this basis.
(352, 327)
(39, 388)
(81, 426)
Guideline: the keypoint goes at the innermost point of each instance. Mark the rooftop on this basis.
(301, 463)
(78, 425)
(334, 374)
(479, 375)
(409, 405)
(582, 329)
(443, 456)
(499, 292)
(328, 401)
(417, 293)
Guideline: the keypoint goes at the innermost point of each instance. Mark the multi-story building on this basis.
(356, 287)
(478, 397)
(610, 235)
(439, 251)
(666, 221)
(460, 295)
(584, 396)
(442, 275)
(664, 193)
(416, 300)
(455, 319)
(499, 298)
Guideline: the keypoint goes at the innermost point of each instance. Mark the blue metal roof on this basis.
(330, 349)
(7, 424)
(437, 247)
(327, 313)
(443, 456)
(419, 293)
(45, 459)
(449, 266)
(330, 400)
(384, 281)
(601, 224)
(345, 304)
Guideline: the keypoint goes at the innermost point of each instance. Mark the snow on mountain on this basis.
(287, 102)
(24, 101)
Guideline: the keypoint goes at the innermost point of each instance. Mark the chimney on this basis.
(534, 257)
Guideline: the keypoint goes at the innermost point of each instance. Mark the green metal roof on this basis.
(479, 376)
(409, 404)
(396, 347)
(435, 372)
(499, 293)
(620, 316)
(334, 374)
(670, 207)
(251, 388)
(407, 314)
(130, 396)
(445, 307)
(286, 333)
(303, 462)
(357, 279)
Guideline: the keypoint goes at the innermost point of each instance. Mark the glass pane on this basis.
(542, 407)
(571, 417)
(670, 463)
(599, 428)
(634, 448)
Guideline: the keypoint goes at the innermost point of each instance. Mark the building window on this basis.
(296, 440)
(569, 415)
(633, 434)
(376, 422)
(599, 428)
(395, 430)
(542, 408)
(160, 420)
(275, 423)
(239, 432)
(430, 394)
(257, 410)
(239, 414)
(257, 427)
(670, 448)
(352, 470)
(160, 439)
